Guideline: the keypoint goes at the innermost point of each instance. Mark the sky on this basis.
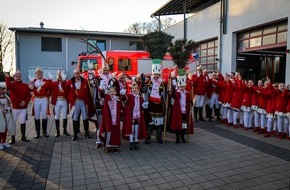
(92, 15)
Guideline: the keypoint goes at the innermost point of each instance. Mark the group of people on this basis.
(116, 108)
(132, 111)
(264, 108)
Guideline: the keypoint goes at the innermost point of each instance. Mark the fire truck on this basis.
(130, 62)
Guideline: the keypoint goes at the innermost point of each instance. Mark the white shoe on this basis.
(6, 145)
(1, 146)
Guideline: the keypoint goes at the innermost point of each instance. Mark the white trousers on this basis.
(21, 113)
(134, 136)
(80, 108)
(282, 124)
(40, 108)
(257, 119)
(214, 101)
(199, 101)
(60, 108)
(230, 113)
(248, 117)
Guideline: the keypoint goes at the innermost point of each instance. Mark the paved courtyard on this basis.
(216, 157)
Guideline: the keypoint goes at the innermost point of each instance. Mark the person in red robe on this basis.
(20, 97)
(181, 121)
(41, 89)
(80, 103)
(134, 125)
(110, 128)
(59, 100)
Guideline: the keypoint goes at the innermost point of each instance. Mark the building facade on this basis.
(253, 37)
(56, 49)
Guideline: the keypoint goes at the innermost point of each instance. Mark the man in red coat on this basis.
(59, 98)
(80, 103)
(41, 89)
(20, 97)
(181, 120)
(200, 83)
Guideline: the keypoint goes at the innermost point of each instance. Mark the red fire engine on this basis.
(130, 62)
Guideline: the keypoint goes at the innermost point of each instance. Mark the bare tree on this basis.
(6, 48)
(146, 27)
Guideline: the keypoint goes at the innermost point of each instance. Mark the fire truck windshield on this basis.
(86, 64)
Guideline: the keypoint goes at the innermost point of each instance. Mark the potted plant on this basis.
(157, 44)
(180, 52)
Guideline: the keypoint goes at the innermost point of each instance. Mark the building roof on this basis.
(73, 32)
(175, 7)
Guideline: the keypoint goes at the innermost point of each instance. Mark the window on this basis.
(208, 54)
(124, 64)
(101, 44)
(266, 35)
(135, 46)
(51, 44)
(89, 63)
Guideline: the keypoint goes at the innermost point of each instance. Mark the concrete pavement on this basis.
(217, 157)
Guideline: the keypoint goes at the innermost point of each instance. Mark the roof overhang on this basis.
(175, 7)
(73, 32)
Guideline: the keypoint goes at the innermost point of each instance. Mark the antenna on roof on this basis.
(41, 24)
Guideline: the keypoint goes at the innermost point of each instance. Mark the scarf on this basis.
(136, 109)
(113, 109)
(155, 88)
(182, 100)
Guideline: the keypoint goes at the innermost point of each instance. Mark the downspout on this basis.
(184, 21)
(66, 55)
(220, 37)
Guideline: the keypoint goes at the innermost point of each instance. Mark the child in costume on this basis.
(6, 124)
(134, 124)
(181, 121)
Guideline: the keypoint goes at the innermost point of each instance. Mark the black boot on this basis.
(12, 140)
(182, 135)
(207, 111)
(159, 129)
(86, 127)
(177, 137)
(200, 114)
(44, 128)
(57, 128)
(75, 129)
(195, 110)
(218, 117)
(64, 121)
(37, 128)
(131, 145)
(136, 146)
(23, 130)
(149, 132)
(210, 113)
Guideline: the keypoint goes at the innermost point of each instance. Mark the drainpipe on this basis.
(184, 21)
(220, 37)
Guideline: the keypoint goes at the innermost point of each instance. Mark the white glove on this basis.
(30, 78)
(145, 105)
(107, 91)
(50, 76)
(123, 91)
(172, 101)
(63, 76)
